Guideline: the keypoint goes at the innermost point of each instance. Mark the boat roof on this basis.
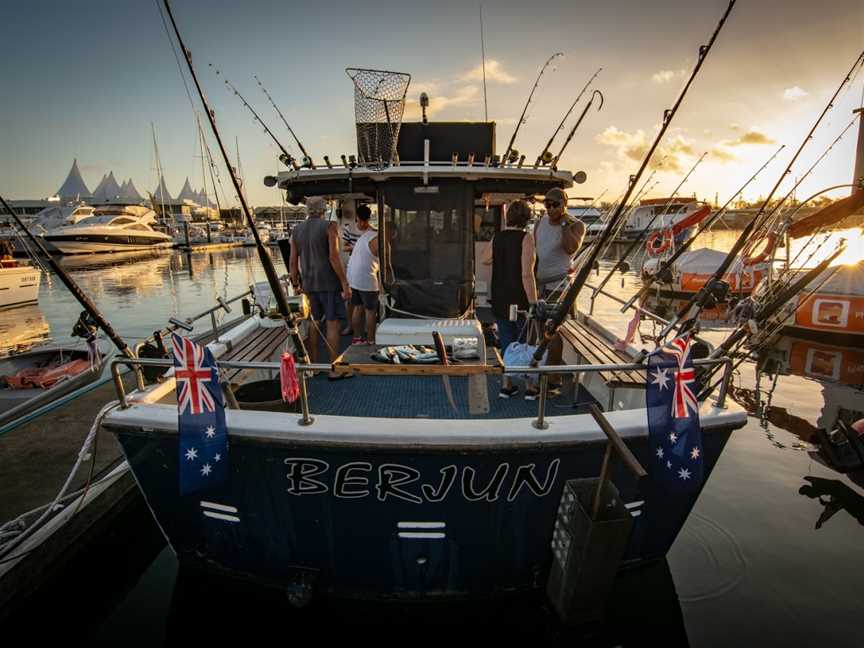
(344, 179)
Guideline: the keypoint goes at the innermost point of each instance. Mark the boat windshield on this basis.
(430, 268)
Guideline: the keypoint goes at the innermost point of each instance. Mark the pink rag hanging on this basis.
(288, 378)
(632, 327)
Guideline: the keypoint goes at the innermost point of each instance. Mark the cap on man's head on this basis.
(315, 205)
(557, 195)
(363, 212)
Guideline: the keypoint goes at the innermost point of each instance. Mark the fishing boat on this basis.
(695, 268)
(111, 228)
(388, 485)
(833, 312)
(19, 283)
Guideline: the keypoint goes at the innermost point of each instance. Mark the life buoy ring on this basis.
(666, 237)
(770, 241)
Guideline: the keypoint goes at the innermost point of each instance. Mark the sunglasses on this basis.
(552, 203)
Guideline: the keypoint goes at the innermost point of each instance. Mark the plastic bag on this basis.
(519, 354)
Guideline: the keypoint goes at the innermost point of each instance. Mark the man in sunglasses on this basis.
(557, 238)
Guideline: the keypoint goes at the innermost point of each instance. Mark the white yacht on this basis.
(112, 228)
(48, 220)
(19, 283)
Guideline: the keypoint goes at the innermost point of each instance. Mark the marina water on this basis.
(763, 559)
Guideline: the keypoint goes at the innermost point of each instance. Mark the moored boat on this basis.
(112, 228)
(19, 283)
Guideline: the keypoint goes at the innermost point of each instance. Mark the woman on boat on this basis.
(512, 257)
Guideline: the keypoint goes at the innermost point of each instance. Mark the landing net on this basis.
(379, 102)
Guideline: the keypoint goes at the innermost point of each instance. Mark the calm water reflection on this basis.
(771, 555)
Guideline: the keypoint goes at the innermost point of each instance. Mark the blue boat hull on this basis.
(392, 522)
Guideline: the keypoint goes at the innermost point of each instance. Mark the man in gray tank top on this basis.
(557, 238)
(316, 269)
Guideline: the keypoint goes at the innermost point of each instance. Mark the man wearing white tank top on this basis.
(363, 278)
(557, 238)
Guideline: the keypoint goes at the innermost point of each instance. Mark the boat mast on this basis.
(160, 186)
(266, 261)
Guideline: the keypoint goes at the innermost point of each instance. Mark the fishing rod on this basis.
(775, 211)
(506, 155)
(645, 230)
(767, 311)
(266, 261)
(713, 288)
(307, 159)
(73, 287)
(559, 313)
(286, 157)
(645, 189)
(542, 157)
(648, 280)
(576, 126)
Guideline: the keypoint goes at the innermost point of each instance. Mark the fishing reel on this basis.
(85, 327)
(513, 156)
(542, 310)
(715, 293)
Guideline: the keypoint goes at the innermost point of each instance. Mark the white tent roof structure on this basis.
(186, 192)
(129, 192)
(73, 186)
(161, 193)
(107, 190)
(202, 199)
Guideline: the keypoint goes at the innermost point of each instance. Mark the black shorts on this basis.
(368, 299)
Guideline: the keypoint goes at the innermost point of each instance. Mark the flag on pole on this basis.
(674, 432)
(201, 417)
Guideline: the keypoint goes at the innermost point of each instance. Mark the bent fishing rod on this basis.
(519, 123)
(648, 280)
(307, 159)
(266, 261)
(288, 158)
(578, 123)
(565, 306)
(73, 286)
(661, 212)
(710, 290)
(541, 159)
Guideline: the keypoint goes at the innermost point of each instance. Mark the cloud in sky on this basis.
(494, 72)
(670, 156)
(665, 76)
(752, 136)
(794, 93)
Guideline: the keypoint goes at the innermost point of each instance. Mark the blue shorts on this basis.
(327, 304)
(368, 299)
(509, 332)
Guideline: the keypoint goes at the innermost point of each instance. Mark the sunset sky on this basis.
(86, 79)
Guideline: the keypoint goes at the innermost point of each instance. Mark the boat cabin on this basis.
(439, 203)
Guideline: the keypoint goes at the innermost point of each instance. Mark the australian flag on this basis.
(201, 417)
(674, 433)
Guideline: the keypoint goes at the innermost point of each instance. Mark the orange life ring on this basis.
(767, 252)
(651, 244)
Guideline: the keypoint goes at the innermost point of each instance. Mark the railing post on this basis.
(306, 419)
(214, 325)
(724, 385)
(118, 384)
(540, 422)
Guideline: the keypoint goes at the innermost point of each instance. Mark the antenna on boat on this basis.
(307, 159)
(483, 57)
(286, 158)
(73, 287)
(566, 304)
(266, 261)
(545, 156)
(507, 156)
